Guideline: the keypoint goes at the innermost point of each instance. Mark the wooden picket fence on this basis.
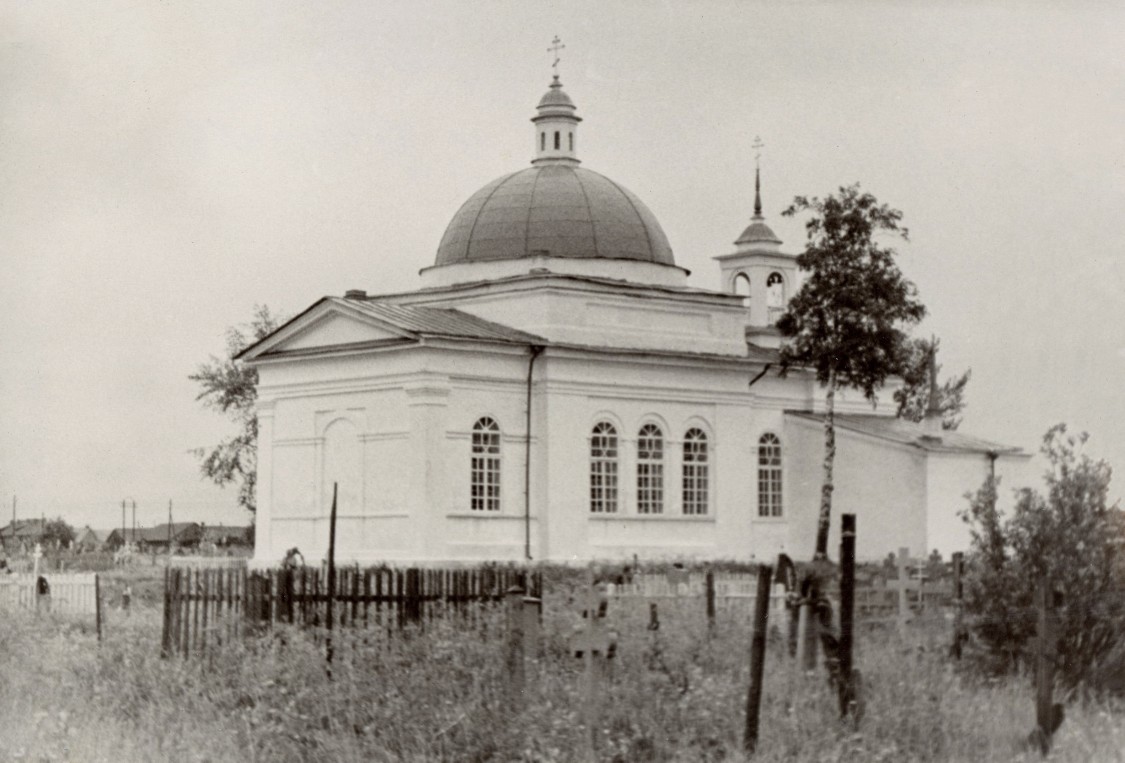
(890, 602)
(69, 593)
(206, 606)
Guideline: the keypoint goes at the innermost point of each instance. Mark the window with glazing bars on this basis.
(695, 472)
(485, 483)
(769, 476)
(650, 470)
(603, 469)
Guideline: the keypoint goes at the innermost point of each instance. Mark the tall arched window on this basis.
(775, 290)
(650, 470)
(741, 286)
(775, 296)
(769, 476)
(485, 495)
(695, 472)
(603, 469)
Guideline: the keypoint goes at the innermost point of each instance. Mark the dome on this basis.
(558, 209)
(555, 97)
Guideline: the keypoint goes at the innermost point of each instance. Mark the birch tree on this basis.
(847, 321)
(920, 383)
(230, 387)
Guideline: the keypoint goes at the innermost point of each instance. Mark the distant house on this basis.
(22, 534)
(179, 534)
(225, 535)
(132, 537)
(89, 539)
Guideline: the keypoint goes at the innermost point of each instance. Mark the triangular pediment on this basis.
(335, 329)
(329, 323)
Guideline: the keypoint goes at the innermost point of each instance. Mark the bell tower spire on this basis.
(556, 123)
(758, 145)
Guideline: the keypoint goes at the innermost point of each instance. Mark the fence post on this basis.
(594, 642)
(757, 659)
(98, 605)
(710, 583)
(807, 634)
(514, 600)
(847, 612)
(532, 613)
(958, 603)
(1048, 715)
(903, 577)
(166, 636)
(331, 578)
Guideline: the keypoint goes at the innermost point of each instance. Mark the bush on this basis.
(1067, 537)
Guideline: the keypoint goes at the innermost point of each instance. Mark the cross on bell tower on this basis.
(758, 145)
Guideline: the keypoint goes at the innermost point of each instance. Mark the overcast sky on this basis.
(165, 166)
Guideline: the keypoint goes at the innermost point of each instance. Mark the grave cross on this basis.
(904, 584)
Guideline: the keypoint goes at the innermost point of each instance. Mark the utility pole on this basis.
(134, 519)
(169, 529)
(124, 538)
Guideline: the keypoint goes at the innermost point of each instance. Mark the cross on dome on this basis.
(556, 46)
(555, 120)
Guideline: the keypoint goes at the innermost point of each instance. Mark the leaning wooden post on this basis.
(903, 578)
(532, 615)
(710, 582)
(757, 659)
(331, 576)
(592, 673)
(808, 632)
(847, 611)
(98, 605)
(594, 646)
(958, 602)
(516, 677)
(1048, 715)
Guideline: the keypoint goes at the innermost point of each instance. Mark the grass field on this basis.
(675, 694)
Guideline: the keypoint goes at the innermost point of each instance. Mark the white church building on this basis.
(555, 390)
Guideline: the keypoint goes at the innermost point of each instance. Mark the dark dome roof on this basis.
(557, 209)
(758, 232)
(555, 96)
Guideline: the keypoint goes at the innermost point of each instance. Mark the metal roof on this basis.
(556, 209)
(909, 433)
(441, 321)
(758, 232)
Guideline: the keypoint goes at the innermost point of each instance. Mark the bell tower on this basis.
(757, 269)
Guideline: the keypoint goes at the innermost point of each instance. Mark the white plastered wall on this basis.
(882, 483)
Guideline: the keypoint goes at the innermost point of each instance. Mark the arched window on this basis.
(556, 140)
(769, 476)
(741, 286)
(570, 140)
(650, 470)
(485, 494)
(775, 290)
(542, 141)
(603, 469)
(695, 472)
